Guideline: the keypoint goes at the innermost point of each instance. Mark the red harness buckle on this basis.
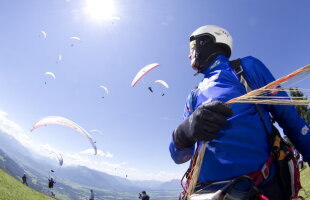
(265, 170)
(261, 175)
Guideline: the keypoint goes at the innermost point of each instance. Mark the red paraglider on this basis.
(142, 73)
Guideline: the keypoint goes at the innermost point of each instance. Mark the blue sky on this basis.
(136, 125)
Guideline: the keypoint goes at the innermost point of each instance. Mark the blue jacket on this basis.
(242, 146)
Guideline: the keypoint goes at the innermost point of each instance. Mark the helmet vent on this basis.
(217, 33)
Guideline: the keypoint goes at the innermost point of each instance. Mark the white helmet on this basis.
(220, 35)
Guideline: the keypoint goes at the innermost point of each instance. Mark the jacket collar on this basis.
(214, 65)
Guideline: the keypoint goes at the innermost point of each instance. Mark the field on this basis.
(12, 189)
(305, 182)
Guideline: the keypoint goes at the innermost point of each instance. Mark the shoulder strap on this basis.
(236, 65)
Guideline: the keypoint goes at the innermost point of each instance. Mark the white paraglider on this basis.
(51, 74)
(57, 120)
(104, 88)
(44, 34)
(162, 83)
(59, 157)
(142, 73)
(75, 38)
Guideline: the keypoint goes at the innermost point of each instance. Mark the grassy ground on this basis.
(305, 182)
(12, 189)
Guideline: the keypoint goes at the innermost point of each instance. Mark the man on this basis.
(237, 138)
(144, 196)
(92, 196)
(51, 183)
(24, 178)
(53, 195)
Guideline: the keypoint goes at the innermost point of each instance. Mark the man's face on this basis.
(192, 54)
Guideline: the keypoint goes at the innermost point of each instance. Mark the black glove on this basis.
(203, 125)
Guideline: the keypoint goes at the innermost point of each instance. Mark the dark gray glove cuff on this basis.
(181, 137)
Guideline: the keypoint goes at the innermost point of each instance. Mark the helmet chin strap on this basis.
(204, 64)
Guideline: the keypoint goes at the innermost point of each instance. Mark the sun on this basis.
(100, 9)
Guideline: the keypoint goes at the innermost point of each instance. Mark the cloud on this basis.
(11, 128)
(159, 176)
(99, 153)
(3, 114)
(48, 151)
(77, 159)
(112, 165)
(47, 148)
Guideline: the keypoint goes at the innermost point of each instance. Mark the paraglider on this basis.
(74, 38)
(59, 158)
(51, 74)
(151, 90)
(105, 89)
(44, 34)
(57, 120)
(162, 83)
(143, 72)
(51, 182)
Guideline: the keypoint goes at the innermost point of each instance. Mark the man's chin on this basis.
(194, 66)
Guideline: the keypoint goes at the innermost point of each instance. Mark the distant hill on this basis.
(11, 189)
(170, 185)
(74, 182)
(10, 166)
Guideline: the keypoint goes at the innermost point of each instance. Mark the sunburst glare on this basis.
(100, 9)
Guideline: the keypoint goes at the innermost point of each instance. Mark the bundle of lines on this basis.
(271, 93)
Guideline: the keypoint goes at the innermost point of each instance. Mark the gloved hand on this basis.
(203, 125)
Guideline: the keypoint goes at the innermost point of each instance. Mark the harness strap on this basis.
(237, 67)
(261, 175)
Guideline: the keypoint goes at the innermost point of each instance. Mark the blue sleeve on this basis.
(286, 116)
(179, 155)
(182, 155)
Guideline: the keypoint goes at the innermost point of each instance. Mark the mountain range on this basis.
(74, 182)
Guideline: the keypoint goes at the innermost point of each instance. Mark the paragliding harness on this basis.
(282, 155)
